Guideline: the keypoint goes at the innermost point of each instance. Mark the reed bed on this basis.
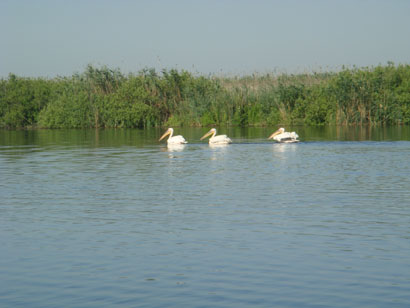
(104, 97)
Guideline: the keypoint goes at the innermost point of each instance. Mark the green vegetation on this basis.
(102, 97)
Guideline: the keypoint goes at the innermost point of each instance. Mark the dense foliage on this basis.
(102, 97)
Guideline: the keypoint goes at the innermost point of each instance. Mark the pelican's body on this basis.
(172, 140)
(220, 139)
(285, 137)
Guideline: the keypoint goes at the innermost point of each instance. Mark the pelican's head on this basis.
(168, 132)
(212, 131)
(279, 131)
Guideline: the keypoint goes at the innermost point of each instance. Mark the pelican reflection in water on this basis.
(176, 147)
(216, 140)
(173, 140)
(284, 137)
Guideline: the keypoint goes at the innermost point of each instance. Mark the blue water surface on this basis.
(113, 218)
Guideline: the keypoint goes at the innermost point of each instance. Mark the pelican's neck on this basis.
(171, 133)
(213, 134)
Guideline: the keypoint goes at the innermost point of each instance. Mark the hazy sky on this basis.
(60, 37)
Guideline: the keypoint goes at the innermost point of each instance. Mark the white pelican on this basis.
(220, 139)
(281, 136)
(173, 140)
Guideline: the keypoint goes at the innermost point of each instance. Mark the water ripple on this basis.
(251, 224)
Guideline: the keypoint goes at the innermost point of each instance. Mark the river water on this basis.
(103, 218)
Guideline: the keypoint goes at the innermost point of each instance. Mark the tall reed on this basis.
(103, 97)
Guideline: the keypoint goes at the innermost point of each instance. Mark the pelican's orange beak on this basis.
(165, 134)
(274, 134)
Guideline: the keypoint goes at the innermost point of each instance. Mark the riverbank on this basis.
(104, 97)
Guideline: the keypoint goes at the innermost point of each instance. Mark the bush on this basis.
(102, 97)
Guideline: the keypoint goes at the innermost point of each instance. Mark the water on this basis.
(113, 218)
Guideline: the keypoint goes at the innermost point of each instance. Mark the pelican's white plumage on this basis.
(281, 136)
(220, 139)
(173, 140)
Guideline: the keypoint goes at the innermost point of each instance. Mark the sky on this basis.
(48, 38)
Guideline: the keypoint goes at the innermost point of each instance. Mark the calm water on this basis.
(113, 218)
